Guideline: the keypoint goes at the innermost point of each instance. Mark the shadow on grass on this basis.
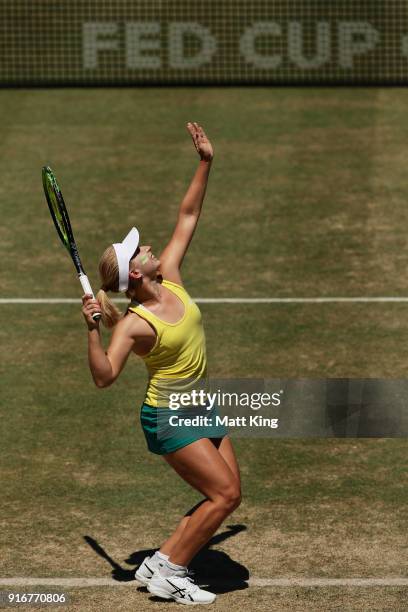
(214, 569)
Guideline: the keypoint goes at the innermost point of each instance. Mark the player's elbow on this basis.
(101, 383)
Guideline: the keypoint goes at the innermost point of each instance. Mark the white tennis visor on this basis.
(124, 252)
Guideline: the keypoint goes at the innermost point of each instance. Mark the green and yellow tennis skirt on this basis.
(168, 430)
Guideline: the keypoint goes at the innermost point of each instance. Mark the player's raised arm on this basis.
(190, 207)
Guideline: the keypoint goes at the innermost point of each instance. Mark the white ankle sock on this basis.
(160, 556)
(169, 569)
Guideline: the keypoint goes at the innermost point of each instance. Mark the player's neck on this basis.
(150, 290)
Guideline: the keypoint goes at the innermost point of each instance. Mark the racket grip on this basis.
(86, 286)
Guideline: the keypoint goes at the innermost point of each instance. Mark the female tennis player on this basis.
(163, 326)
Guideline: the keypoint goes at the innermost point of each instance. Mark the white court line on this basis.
(262, 582)
(235, 300)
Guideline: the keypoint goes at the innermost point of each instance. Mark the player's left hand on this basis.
(201, 142)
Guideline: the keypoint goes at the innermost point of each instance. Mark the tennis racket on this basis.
(62, 224)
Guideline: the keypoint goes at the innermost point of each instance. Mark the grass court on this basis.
(307, 198)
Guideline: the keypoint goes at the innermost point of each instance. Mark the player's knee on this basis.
(231, 497)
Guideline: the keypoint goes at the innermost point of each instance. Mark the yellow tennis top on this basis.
(178, 358)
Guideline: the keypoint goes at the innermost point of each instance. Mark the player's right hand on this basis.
(89, 308)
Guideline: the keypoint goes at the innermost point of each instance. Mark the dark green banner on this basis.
(153, 42)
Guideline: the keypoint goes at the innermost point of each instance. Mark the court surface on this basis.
(307, 201)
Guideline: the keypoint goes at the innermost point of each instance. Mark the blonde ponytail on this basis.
(110, 313)
(109, 273)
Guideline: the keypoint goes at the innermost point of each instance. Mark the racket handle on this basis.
(86, 286)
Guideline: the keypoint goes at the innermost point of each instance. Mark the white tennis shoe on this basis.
(179, 587)
(146, 570)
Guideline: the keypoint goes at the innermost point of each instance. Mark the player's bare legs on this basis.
(213, 472)
(226, 451)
